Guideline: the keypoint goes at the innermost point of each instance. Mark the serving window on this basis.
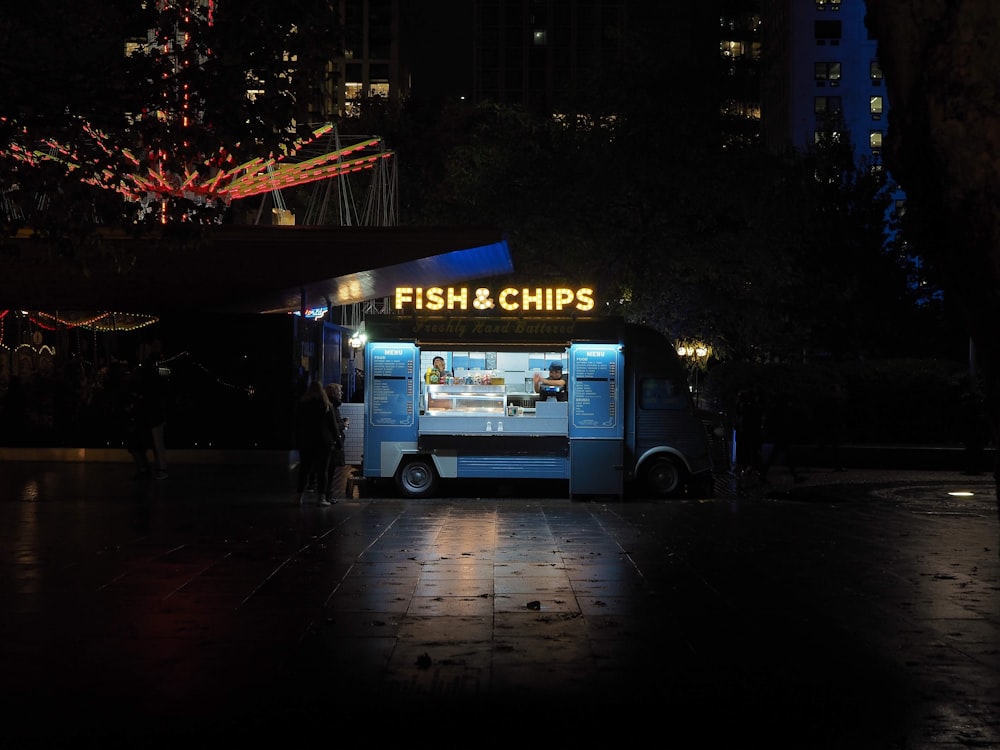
(483, 382)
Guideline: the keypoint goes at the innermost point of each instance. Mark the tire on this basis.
(664, 477)
(416, 477)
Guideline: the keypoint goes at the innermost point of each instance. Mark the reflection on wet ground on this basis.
(858, 613)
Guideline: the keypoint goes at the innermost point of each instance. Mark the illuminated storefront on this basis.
(522, 381)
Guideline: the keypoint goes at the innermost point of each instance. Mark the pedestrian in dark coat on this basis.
(339, 475)
(148, 413)
(779, 427)
(315, 437)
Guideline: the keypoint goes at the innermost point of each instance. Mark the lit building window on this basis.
(539, 37)
(352, 98)
(735, 108)
(732, 49)
(827, 4)
(876, 104)
(827, 73)
(875, 140)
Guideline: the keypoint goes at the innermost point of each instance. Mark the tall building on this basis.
(740, 29)
(369, 65)
(567, 56)
(367, 61)
(542, 54)
(821, 76)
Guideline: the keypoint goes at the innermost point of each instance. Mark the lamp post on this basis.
(356, 342)
(696, 354)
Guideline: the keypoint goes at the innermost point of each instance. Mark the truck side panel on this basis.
(391, 395)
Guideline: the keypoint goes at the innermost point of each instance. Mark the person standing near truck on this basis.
(315, 437)
(339, 474)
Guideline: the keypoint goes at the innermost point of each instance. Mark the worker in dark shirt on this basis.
(554, 384)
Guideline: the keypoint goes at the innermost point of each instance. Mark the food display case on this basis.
(466, 400)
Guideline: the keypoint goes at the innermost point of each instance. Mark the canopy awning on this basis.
(251, 269)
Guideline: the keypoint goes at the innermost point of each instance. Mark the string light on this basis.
(104, 321)
(107, 322)
(43, 349)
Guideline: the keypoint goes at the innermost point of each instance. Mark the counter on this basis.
(550, 419)
(465, 400)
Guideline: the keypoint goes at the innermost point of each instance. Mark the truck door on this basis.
(391, 399)
(595, 424)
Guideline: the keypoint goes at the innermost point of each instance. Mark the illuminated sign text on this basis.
(509, 299)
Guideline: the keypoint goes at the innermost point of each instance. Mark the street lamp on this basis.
(356, 342)
(696, 354)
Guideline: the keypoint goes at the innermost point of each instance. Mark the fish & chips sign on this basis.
(508, 299)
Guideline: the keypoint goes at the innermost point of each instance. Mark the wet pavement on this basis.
(858, 609)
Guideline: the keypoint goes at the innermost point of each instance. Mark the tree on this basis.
(939, 60)
(767, 257)
(177, 110)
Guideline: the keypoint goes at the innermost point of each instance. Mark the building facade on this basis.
(547, 56)
(740, 30)
(542, 54)
(369, 64)
(821, 77)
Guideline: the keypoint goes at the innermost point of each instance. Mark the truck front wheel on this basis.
(664, 477)
(416, 477)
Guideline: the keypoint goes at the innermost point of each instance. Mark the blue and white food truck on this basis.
(622, 421)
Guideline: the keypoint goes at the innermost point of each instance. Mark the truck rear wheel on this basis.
(416, 477)
(664, 477)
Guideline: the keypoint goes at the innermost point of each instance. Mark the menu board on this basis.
(391, 369)
(594, 374)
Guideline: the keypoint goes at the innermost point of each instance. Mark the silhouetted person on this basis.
(314, 437)
(779, 427)
(150, 406)
(138, 438)
(339, 473)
